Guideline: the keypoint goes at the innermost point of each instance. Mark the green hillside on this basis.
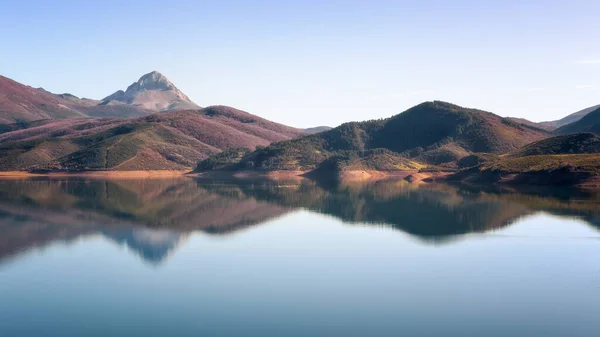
(578, 143)
(432, 133)
(572, 159)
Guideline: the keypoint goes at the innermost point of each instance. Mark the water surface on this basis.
(184, 257)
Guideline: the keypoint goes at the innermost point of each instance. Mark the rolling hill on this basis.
(174, 141)
(19, 102)
(432, 133)
(572, 118)
(318, 129)
(572, 159)
(543, 125)
(589, 123)
(24, 104)
(553, 125)
(578, 143)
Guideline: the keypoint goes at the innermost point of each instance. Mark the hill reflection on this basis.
(152, 217)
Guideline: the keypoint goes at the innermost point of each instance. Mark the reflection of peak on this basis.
(151, 217)
(152, 245)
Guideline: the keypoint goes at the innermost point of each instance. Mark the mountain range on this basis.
(152, 125)
(142, 128)
(430, 140)
(429, 134)
(153, 92)
(588, 123)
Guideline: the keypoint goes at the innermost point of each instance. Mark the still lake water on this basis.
(184, 257)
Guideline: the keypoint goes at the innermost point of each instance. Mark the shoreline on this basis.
(96, 174)
(579, 180)
(275, 175)
(583, 180)
(412, 176)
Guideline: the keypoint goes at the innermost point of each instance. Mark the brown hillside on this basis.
(21, 103)
(176, 140)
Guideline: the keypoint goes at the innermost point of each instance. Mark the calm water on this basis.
(191, 258)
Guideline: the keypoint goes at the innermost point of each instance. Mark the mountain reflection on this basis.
(152, 217)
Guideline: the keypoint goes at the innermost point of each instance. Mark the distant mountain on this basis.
(432, 133)
(577, 143)
(21, 103)
(154, 92)
(176, 141)
(588, 123)
(318, 129)
(542, 126)
(553, 125)
(567, 160)
(572, 118)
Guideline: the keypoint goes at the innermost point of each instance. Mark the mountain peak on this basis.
(153, 91)
(152, 81)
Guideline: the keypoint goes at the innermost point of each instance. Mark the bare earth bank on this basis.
(97, 174)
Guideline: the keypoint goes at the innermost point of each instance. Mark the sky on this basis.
(309, 63)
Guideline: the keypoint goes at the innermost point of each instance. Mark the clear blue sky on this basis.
(307, 63)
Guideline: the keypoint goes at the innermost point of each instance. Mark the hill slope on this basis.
(177, 140)
(153, 92)
(21, 103)
(572, 118)
(547, 126)
(318, 129)
(572, 159)
(553, 125)
(578, 143)
(432, 133)
(589, 123)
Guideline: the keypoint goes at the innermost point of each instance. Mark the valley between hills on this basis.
(154, 127)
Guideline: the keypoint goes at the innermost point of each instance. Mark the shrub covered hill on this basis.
(589, 123)
(432, 134)
(175, 140)
(561, 160)
(572, 118)
(553, 125)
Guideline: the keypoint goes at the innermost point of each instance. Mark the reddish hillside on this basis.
(176, 140)
(22, 103)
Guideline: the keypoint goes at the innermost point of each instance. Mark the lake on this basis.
(186, 257)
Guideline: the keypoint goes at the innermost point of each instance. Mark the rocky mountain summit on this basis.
(154, 92)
